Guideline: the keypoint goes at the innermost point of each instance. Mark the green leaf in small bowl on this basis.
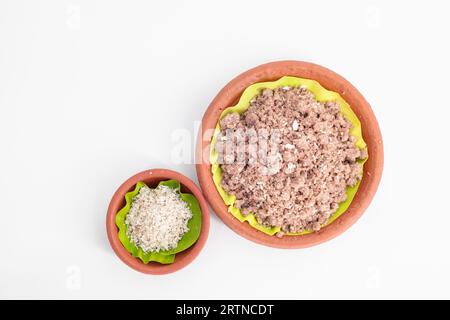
(188, 239)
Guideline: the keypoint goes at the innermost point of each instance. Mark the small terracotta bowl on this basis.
(230, 95)
(152, 178)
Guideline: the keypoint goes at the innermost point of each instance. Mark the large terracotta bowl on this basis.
(152, 178)
(230, 95)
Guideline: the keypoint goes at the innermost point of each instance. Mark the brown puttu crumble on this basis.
(288, 159)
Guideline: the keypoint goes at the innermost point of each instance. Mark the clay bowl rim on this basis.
(183, 258)
(330, 80)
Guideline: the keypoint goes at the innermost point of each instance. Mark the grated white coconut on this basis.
(157, 219)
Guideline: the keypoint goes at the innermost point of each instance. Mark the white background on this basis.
(91, 92)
